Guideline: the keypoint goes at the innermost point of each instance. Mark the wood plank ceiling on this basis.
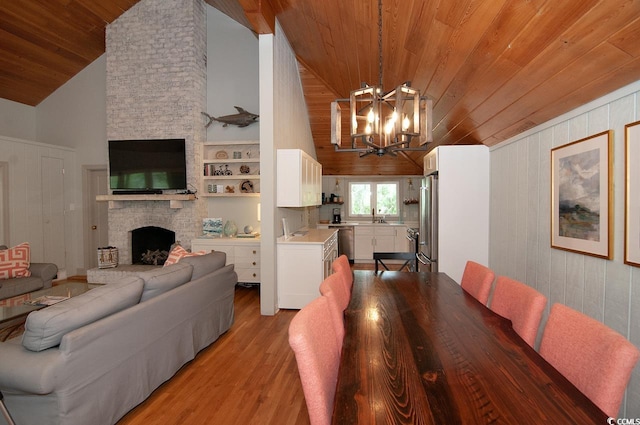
(494, 68)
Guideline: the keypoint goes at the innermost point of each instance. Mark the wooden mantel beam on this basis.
(261, 15)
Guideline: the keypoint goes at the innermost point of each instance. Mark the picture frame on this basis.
(632, 194)
(212, 227)
(581, 196)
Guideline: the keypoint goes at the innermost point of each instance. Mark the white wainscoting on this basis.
(29, 168)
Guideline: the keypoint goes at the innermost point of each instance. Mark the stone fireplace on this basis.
(156, 89)
(151, 245)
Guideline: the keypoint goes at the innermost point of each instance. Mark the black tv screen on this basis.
(147, 165)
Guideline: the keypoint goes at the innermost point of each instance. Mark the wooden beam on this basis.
(261, 15)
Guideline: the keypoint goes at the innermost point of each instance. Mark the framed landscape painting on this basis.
(581, 193)
(632, 195)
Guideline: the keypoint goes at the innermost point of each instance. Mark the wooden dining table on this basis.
(418, 349)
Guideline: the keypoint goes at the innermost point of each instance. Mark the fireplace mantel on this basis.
(175, 201)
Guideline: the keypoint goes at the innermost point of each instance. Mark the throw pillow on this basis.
(178, 252)
(14, 262)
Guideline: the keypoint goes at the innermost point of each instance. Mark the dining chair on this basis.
(521, 304)
(314, 343)
(333, 288)
(341, 265)
(477, 280)
(594, 357)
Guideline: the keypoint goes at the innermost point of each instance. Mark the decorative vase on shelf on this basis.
(230, 229)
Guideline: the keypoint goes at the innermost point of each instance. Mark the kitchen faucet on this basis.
(373, 217)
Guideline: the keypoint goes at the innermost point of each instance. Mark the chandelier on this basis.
(383, 123)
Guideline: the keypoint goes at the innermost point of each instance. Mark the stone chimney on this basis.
(156, 89)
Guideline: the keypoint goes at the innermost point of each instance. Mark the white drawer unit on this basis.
(243, 253)
(247, 261)
(303, 263)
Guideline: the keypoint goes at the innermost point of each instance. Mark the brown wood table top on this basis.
(420, 350)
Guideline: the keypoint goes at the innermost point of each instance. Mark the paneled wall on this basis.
(28, 166)
(520, 246)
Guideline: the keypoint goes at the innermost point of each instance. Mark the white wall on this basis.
(74, 117)
(284, 124)
(17, 120)
(232, 80)
(608, 291)
(232, 76)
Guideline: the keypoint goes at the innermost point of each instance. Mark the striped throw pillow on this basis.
(178, 252)
(14, 262)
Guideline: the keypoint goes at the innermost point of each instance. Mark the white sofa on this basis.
(92, 358)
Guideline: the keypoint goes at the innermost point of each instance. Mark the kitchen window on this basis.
(365, 196)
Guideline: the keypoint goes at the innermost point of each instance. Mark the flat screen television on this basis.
(147, 166)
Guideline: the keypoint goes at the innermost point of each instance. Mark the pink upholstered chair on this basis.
(477, 280)
(343, 268)
(313, 340)
(595, 358)
(333, 288)
(521, 304)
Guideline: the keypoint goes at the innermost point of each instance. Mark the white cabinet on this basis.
(378, 238)
(231, 168)
(243, 253)
(303, 263)
(299, 179)
(402, 243)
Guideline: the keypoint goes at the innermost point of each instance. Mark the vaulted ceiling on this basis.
(493, 68)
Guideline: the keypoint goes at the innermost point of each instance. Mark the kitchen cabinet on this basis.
(299, 179)
(231, 169)
(243, 253)
(303, 262)
(402, 243)
(379, 238)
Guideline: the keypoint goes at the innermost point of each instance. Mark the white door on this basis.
(53, 211)
(97, 215)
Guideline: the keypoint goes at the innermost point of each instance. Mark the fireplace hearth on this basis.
(151, 245)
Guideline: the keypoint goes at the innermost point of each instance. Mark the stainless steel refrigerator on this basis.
(454, 209)
(427, 254)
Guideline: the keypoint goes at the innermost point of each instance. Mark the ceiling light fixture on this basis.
(383, 123)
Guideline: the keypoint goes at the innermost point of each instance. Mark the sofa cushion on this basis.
(14, 262)
(205, 264)
(45, 328)
(164, 279)
(178, 253)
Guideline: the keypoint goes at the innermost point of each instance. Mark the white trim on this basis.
(31, 142)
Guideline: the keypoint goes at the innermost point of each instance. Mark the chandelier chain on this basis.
(380, 42)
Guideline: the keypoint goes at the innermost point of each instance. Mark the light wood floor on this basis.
(248, 376)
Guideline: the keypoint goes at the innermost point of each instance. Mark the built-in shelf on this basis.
(240, 159)
(175, 201)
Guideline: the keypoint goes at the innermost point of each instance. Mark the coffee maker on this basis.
(336, 216)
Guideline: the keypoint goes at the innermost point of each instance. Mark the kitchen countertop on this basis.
(309, 236)
(361, 223)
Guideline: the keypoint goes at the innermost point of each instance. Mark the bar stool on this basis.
(409, 257)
